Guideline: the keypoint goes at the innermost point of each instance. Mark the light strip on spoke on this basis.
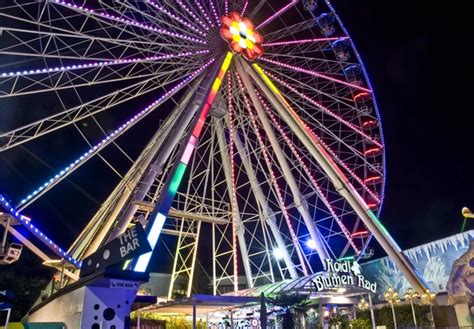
(108, 139)
(159, 220)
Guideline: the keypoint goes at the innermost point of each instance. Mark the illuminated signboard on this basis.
(342, 274)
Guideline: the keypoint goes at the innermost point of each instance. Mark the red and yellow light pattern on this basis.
(241, 35)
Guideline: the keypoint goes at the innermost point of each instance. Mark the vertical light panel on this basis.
(159, 220)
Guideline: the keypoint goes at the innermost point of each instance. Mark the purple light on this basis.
(130, 22)
(107, 140)
(36, 232)
(203, 12)
(176, 18)
(302, 41)
(314, 73)
(278, 13)
(194, 16)
(214, 11)
(104, 63)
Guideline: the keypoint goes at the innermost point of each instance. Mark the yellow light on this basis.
(227, 61)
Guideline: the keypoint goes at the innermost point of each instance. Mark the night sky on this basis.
(417, 64)
(417, 60)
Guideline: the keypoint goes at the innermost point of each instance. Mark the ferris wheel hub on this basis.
(242, 36)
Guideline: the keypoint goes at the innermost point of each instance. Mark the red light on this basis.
(373, 179)
(360, 234)
(373, 151)
(360, 95)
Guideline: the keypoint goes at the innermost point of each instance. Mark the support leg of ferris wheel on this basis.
(299, 200)
(267, 213)
(172, 136)
(235, 212)
(95, 232)
(337, 177)
(105, 218)
(205, 95)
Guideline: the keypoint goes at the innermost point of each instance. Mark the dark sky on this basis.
(417, 59)
(414, 53)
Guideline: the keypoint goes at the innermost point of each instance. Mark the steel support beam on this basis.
(299, 200)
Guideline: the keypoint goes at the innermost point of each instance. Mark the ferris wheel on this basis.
(263, 152)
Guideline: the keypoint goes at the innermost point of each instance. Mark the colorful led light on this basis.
(241, 35)
(244, 8)
(159, 220)
(26, 222)
(129, 21)
(203, 12)
(108, 139)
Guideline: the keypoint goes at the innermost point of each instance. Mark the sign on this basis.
(123, 284)
(132, 243)
(340, 274)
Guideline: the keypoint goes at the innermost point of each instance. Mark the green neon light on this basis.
(346, 258)
(178, 176)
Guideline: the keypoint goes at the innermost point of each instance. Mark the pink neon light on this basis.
(325, 110)
(293, 149)
(273, 178)
(189, 150)
(313, 73)
(295, 42)
(278, 13)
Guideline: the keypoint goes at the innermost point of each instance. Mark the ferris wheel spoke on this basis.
(54, 21)
(273, 179)
(277, 14)
(60, 120)
(193, 14)
(73, 166)
(326, 111)
(112, 20)
(289, 30)
(203, 12)
(176, 18)
(82, 75)
(287, 43)
(308, 172)
(314, 73)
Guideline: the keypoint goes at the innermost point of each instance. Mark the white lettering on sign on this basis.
(129, 242)
(123, 284)
(342, 273)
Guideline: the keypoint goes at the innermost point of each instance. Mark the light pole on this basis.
(428, 298)
(412, 295)
(466, 214)
(392, 298)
